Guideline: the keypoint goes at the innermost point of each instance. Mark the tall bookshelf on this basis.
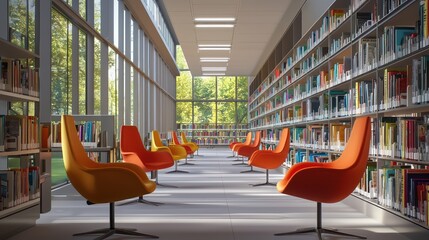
(214, 134)
(360, 58)
(20, 166)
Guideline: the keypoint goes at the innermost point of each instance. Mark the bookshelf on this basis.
(95, 131)
(214, 134)
(20, 164)
(360, 58)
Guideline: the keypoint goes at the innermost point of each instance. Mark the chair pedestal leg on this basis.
(242, 162)
(319, 230)
(266, 181)
(107, 232)
(251, 170)
(186, 162)
(175, 169)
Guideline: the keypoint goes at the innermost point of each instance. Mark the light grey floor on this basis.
(213, 201)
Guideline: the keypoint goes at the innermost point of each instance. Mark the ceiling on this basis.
(254, 25)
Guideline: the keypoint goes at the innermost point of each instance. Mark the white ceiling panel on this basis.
(256, 21)
(177, 5)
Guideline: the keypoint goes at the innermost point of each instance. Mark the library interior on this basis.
(214, 119)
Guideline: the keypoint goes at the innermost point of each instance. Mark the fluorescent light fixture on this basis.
(214, 45)
(213, 69)
(214, 25)
(214, 48)
(214, 60)
(225, 19)
(213, 74)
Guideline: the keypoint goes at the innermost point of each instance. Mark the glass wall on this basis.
(118, 72)
(210, 110)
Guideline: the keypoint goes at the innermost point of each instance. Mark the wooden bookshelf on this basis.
(212, 134)
(24, 209)
(360, 58)
(98, 138)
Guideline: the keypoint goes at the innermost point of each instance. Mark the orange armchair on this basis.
(188, 147)
(248, 150)
(247, 141)
(177, 152)
(330, 182)
(272, 159)
(193, 145)
(133, 151)
(101, 182)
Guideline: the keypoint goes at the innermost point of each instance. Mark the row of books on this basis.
(404, 137)
(89, 132)
(228, 126)
(405, 190)
(18, 132)
(363, 21)
(220, 134)
(18, 78)
(303, 156)
(19, 185)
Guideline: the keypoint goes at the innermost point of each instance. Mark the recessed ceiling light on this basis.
(226, 19)
(214, 60)
(213, 74)
(214, 25)
(213, 69)
(215, 48)
(214, 45)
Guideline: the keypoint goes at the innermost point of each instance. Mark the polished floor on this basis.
(214, 201)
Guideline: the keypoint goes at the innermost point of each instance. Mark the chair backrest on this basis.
(156, 139)
(130, 141)
(175, 139)
(257, 139)
(284, 143)
(355, 154)
(76, 161)
(248, 138)
(184, 140)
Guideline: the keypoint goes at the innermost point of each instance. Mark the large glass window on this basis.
(82, 72)
(205, 112)
(226, 112)
(226, 88)
(61, 64)
(184, 112)
(97, 76)
(242, 88)
(184, 86)
(205, 88)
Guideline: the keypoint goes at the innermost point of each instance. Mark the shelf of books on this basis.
(95, 132)
(19, 139)
(361, 58)
(214, 134)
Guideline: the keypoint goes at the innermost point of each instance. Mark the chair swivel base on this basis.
(263, 184)
(107, 232)
(319, 232)
(141, 200)
(186, 163)
(175, 169)
(251, 170)
(166, 185)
